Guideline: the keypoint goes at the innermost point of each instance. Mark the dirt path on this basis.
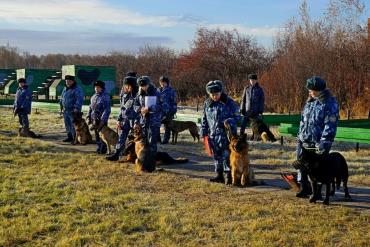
(201, 167)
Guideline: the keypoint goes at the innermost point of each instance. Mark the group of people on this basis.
(317, 127)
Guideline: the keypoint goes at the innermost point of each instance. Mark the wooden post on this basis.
(281, 140)
(197, 104)
(368, 115)
(357, 147)
(348, 114)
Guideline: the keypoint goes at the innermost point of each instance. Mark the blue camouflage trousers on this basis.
(68, 123)
(221, 156)
(125, 130)
(23, 120)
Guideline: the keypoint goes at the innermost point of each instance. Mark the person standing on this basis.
(149, 116)
(218, 110)
(252, 104)
(71, 101)
(317, 127)
(169, 105)
(99, 111)
(22, 105)
(127, 114)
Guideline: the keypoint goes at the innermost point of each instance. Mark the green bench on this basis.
(352, 133)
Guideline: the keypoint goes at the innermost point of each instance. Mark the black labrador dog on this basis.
(329, 169)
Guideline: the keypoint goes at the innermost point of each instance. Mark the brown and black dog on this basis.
(241, 172)
(261, 131)
(161, 158)
(179, 126)
(106, 134)
(82, 135)
(145, 160)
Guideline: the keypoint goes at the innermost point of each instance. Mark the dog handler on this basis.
(169, 105)
(22, 105)
(252, 104)
(71, 101)
(98, 115)
(218, 110)
(149, 116)
(127, 114)
(318, 125)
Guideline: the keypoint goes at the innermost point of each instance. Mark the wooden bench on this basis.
(345, 134)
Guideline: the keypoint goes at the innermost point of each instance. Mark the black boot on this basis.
(69, 138)
(305, 190)
(229, 179)
(219, 178)
(115, 156)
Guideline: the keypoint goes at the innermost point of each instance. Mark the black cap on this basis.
(214, 86)
(252, 76)
(164, 79)
(143, 81)
(129, 80)
(99, 84)
(20, 80)
(131, 73)
(315, 83)
(69, 77)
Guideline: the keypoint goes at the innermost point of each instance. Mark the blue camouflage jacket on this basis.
(72, 98)
(127, 107)
(155, 112)
(168, 100)
(99, 108)
(23, 100)
(215, 113)
(319, 121)
(253, 100)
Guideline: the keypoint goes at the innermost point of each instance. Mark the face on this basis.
(144, 88)
(127, 88)
(215, 96)
(313, 93)
(69, 83)
(98, 89)
(163, 83)
(252, 81)
(21, 84)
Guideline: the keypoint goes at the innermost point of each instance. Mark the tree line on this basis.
(334, 46)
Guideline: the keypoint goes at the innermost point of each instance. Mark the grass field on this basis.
(53, 196)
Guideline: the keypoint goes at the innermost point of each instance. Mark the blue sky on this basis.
(101, 26)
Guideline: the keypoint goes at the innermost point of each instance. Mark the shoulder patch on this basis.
(333, 118)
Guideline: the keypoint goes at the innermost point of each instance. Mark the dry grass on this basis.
(52, 197)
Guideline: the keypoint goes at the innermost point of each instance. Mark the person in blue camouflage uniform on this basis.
(71, 101)
(318, 125)
(252, 104)
(169, 105)
(99, 111)
(127, 114)
(218, 110)
(149, 118)
(22, 105)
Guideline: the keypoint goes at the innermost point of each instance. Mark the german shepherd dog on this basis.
(161, 158)
(261, 131)
(145, 160)
(328, 169)
(106, 134)
(179, 126)
(82, 135)
(241, 173)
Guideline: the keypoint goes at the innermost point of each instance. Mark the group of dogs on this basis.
(328, 170)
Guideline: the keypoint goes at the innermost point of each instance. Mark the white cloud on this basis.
(254, 31)
(77, 12)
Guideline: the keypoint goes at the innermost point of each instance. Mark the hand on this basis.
(75, 110)
(118, 125)
(144, 110)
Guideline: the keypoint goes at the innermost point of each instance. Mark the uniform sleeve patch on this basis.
(333, 118)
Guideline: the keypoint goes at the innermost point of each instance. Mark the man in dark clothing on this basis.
(252, 104)
(22, 104)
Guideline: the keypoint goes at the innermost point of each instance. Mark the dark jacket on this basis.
(23, 100)
(253, 101)
(155, 112)
(99, 108)
(72, 98)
